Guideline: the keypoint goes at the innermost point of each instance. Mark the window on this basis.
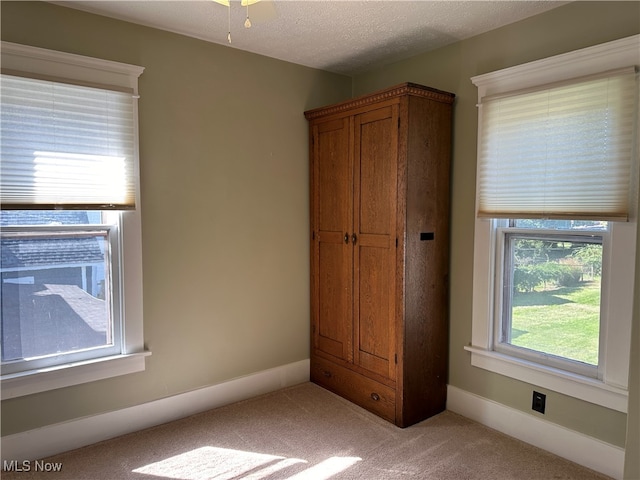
(556, 221)
(70, 221)
(58, 287)
(551, 277)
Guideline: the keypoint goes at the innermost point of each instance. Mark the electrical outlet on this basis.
(538, 403)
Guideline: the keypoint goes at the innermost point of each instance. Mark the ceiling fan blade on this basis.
(244, 3)
(262, 11)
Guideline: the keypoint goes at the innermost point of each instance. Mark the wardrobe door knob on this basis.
(375, 397)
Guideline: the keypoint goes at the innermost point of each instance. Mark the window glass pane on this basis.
(55, 284)
(552, 295)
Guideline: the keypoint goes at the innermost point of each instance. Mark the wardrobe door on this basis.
(375, 202)
(332, 257)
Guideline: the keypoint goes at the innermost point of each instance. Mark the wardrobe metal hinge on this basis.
(396, 242)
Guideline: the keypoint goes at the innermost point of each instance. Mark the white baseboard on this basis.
(577, 447)
(62, 437)
(53, 439)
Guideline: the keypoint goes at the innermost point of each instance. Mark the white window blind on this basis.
(66, 146)
(561, 151)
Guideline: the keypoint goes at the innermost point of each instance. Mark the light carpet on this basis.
(306, 432)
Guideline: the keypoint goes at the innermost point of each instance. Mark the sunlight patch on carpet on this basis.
(326, 469)
(227, 464)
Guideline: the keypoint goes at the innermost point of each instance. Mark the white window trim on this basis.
(90, 71)
(611, 391)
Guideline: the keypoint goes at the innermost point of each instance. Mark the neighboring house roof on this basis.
(89, 309)
(47, 319)
(18, 253)
(43, 217)
(41, 252)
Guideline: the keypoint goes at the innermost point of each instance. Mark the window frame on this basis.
(502, 264)
(61, 66)
(110, 231)
(619, 250)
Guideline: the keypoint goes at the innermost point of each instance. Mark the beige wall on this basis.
(223, 147)
(567, 28)
(224, 172)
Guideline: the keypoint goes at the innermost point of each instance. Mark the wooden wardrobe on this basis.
(379, 171)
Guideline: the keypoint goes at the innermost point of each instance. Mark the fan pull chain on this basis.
(229, 20)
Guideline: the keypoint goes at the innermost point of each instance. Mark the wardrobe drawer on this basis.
(369, 394)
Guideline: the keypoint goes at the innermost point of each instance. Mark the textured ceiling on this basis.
(342, 36)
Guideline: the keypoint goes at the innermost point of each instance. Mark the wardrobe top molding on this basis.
(403, 89)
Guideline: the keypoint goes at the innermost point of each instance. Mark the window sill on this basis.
(577, 386)
(35, 381)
